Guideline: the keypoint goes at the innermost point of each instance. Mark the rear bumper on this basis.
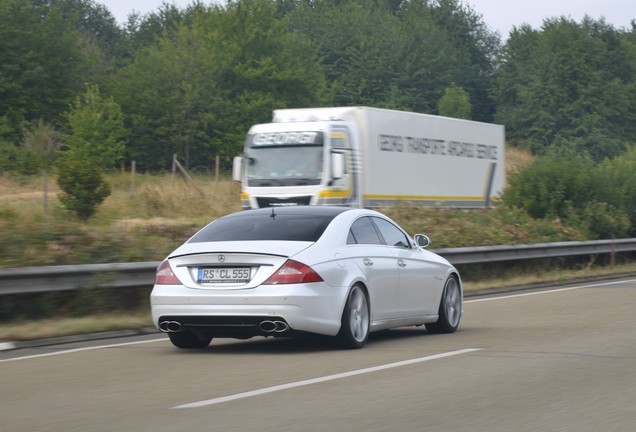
(240, 327)
(314, 308)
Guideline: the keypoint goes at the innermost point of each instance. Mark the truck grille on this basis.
(279, 202)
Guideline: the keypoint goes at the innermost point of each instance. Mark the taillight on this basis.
(293, 272)
(165, 276)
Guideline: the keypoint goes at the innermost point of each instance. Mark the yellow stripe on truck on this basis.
(335, 193)
(424, 198)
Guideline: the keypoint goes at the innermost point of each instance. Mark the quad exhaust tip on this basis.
(170, 326)
(273, 326)
(266, 326)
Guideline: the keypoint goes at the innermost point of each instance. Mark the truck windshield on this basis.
(284, 159)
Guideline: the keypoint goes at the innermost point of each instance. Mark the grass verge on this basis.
(23, 330)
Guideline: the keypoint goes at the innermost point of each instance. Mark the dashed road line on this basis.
(323, 379)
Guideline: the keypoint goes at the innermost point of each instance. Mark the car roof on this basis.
(302, 223)
(296, 210)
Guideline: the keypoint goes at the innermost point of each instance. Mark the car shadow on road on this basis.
(305, 343)
(262, 345)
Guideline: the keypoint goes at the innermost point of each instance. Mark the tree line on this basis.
(75, 85)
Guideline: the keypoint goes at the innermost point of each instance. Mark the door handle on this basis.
(367, 262)
(402, 263)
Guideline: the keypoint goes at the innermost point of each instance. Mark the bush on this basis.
(603, 221)
(599, 199)
(7, 156)
(615, 183)
(83, 186)
(553, 186)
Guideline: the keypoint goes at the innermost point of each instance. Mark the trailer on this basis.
(370, 157)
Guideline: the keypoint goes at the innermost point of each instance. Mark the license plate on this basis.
(224, 275)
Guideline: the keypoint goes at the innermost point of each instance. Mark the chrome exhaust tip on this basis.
(273, 326)
(267, 326)
(170, 326)
(281, 326)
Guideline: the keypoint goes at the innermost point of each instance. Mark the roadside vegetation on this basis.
(137, 222)
(146, 216)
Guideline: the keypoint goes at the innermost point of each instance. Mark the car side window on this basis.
(393, 236)
(363, 232)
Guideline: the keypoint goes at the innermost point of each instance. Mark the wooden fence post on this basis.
(174, 168)
(133, 170)
(187, 176)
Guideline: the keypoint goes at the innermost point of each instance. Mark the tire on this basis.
(189, 340)
(450, 308)
(354, 328)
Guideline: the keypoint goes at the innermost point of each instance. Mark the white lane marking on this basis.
(549, 291)
(70, 351)
(322, 379)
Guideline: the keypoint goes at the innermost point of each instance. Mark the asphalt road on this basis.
(563, 360)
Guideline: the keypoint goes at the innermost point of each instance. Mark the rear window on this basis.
(263, 226)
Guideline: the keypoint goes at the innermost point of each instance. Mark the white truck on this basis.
(369, 157)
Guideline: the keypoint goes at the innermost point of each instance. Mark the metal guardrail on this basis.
(484, 254)
(70, 277)
(142, 274)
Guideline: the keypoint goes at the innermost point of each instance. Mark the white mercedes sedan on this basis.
(289, 271)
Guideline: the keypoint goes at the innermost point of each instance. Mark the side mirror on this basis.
(337, 165)
(422, 240)
(237, 165)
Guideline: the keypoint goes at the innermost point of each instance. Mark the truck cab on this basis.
(298, 163)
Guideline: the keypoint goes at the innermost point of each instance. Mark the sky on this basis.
(499, 15)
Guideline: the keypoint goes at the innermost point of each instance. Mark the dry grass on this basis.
(142, 220)
(40, 329)
(552, 276)
(143, 197)
(516, 159)
(152, 196)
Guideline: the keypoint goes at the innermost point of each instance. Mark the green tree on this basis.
(94, 22)
(399, 54)
(568, 84)
(475, 48)
(94, 144)
(39, 146)
(42, 141)
(360, 52)
(97, 130)
(455, 103)
(8, 152)
(148, 30)
(197, 91)
(82, 184)
(168, 93)
(42, 64)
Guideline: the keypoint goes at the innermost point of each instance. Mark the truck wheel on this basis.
(189, 340)
(354, 330)
(450, 308)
